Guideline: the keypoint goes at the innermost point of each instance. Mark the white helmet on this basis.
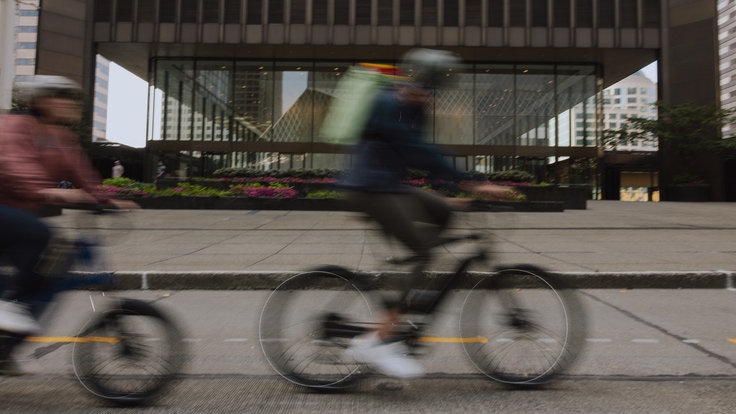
(430, 67)
(46, 85)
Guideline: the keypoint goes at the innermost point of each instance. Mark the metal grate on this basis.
(429, 12)
(561, 13)
(103, 10)
(232, 11)
(298, 12)
(406, 12)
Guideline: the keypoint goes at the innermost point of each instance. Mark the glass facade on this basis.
(267, 115)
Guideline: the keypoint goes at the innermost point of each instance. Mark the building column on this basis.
(7, 53)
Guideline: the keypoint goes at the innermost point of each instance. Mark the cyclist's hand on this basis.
(64, 196)
(124, 204)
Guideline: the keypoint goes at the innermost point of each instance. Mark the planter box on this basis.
(689, 193)
(572, 198)
(237, 203)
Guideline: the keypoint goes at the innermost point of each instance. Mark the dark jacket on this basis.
(393, 142)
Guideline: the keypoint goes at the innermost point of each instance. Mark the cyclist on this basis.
(37, 152)
(392, 142)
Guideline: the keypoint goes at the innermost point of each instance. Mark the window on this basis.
(628, 13)
(606, 13)
(103, 9)
(517, 13)
(406, 12)
(232, 11)
(319, 12)
(561, 13)
(539, 13)
(253, 12)
(385, 12)
(124, 12)
(631, 91)
(495, 13)
(276, 11)
(652, 14)
(473, 13)
(342, 12)
(167, 11)
(429, 12)
(211, 11)
(611, 116)
(584, 13)
(451, 13)
(631, 100)
(27, 29)
(362, 12)
(617, 91)
(189, 11)
(146, 11)
(612, 125)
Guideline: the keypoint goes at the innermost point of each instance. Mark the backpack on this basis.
(352, 104)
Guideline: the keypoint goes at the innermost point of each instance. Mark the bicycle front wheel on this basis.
(129, 354)
(523, 326)
(307, 325)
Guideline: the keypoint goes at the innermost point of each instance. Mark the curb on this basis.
(267, 280)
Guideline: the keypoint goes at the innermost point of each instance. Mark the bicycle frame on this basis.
(334, 328)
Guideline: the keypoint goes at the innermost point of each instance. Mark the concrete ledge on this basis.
(156, 280)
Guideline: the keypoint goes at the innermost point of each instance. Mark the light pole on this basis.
(7, 53)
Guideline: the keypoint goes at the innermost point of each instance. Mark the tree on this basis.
(683, 131)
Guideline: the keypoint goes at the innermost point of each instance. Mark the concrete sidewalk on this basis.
(610, 244)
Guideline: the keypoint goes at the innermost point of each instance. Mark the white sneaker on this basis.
(388, 358)
(17, 318)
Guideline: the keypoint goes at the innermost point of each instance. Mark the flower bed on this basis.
(315, 191)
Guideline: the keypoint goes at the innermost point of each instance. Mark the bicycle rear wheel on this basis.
(307, 325)
(526, 326)
(128, 355)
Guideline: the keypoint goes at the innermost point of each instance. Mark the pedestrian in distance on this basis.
(117, 169)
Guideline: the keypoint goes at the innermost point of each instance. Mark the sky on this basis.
(127, 105)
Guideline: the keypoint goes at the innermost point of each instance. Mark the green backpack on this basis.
(352, 104)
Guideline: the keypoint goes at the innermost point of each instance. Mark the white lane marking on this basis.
(236, 339)
(599, 340)
(691, 341)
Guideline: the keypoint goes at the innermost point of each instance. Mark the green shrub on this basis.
(124, 182)
(322, 194)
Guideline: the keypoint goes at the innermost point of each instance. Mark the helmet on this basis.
(46, 85)
(430, 67)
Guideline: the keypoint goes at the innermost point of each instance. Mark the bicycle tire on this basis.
(528, 326)
(293, 333)
(129, 354)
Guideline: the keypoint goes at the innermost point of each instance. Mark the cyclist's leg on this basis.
(23, 240)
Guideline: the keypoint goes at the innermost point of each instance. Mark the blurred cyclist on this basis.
(37, 152)
(392, 142)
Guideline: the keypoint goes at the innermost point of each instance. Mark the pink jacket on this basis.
(34, 157)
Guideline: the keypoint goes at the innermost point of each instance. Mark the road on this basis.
(647, 351)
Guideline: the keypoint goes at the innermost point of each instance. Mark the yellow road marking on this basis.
(732, 340)
(72, 339)
(476, 339)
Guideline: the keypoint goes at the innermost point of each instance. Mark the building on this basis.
(25, 64)
(244, 82)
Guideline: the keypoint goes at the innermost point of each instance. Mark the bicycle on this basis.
(129, 351)
(518, 325)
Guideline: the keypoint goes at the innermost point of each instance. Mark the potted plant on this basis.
(685, 132)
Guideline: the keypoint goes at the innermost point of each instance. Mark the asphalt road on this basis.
(646, 351)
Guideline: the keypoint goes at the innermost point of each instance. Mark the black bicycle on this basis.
(129, 351)
(519, 325)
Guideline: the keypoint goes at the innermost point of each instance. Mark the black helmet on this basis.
(432, 68)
